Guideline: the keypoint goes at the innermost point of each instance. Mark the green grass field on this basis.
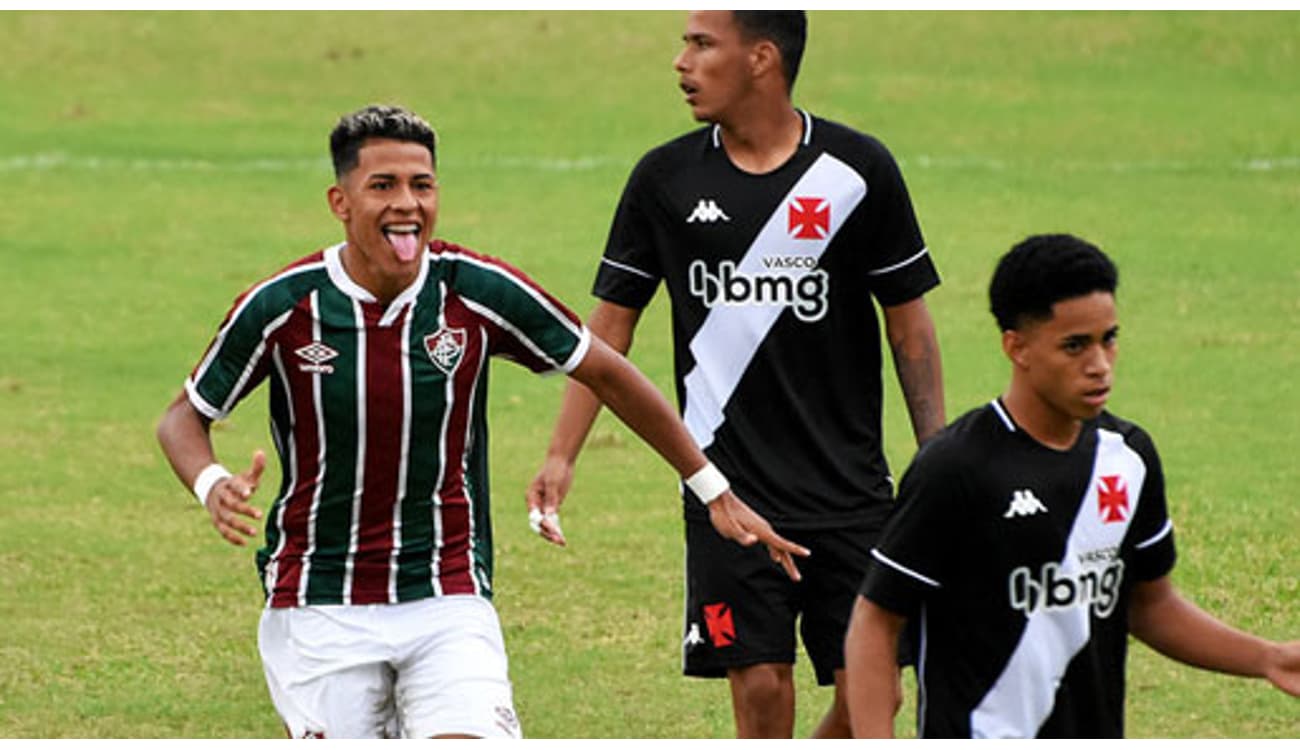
(153, 164)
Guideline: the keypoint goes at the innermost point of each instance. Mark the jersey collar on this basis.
(715, 135)
(345, 284)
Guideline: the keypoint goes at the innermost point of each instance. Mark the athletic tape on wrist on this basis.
(708, 483)
(208, 478)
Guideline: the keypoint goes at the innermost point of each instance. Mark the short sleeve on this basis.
(236, 360)
(914, 556)
(900, 267)
(1151, 536)
(630, 271)
(530, 326)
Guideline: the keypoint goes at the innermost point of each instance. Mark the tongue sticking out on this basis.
(406, 245)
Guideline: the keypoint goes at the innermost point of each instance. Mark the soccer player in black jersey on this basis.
(1031, 538)
(776, 234)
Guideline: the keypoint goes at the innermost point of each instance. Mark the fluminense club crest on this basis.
(445, 346)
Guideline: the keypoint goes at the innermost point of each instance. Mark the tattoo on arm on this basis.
(920, 374)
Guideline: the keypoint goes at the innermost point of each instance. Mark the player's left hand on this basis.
(544, 495)
(738, 522)
(228, 500)
(1283, 669)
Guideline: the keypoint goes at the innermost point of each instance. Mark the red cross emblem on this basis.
(1112, 499)
(722, 631)
(810, 218)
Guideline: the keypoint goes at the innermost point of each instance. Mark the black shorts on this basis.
(741, 607)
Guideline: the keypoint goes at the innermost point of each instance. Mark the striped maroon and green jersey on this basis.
(379, 418)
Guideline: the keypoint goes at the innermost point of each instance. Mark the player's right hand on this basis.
(227, 501)
(735, 520)
(545, 494)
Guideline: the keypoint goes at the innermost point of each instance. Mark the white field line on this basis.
(56, 160)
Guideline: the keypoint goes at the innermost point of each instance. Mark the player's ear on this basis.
(1014, 345)
(338, 201)
(764, 57)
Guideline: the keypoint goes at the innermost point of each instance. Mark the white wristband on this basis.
(708, 483)
(206, 479)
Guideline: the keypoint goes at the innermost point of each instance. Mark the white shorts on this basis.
(417, 669)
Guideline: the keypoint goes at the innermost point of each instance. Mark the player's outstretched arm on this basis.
(636, 401)
(1169, 623)
(873, 691)
(183, 435)
(915, 346)
(613, 324)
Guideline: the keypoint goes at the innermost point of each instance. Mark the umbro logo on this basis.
(707, 211)
(1024, 503)
(317, 356)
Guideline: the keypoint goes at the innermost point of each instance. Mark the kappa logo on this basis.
(809, 218)
(1112, 499)
(693, 637)
(445, 347)
(707, 211)
(1024, 503)
(318, 356)
(722, 629)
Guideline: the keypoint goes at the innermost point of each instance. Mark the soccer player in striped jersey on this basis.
(1031, 538)
(377, 566)
(777, 234)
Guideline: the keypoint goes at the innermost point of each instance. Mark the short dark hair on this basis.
(1043, 270)
(787, 29)
(377, 121)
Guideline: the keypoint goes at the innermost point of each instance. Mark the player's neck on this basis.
(384, 287)
(1040, 420)
(763, 136)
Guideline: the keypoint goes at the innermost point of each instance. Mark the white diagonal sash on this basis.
(1024, 694)
(725, 344)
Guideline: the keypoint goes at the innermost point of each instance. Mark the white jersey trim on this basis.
(1164, 531)
(492, 315)
(313, 513)
(523, 286)
(876, 553)
(716, 134)
(403, 467)
(579, 352)
(359, 486)
(1002, 414)
(345, 283)
(900, 264)
(629, 269)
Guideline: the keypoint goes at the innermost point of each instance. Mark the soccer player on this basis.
(377, 566)
(1031, 538)
(773, 231)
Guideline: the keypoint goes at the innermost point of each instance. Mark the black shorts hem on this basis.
(717, 669)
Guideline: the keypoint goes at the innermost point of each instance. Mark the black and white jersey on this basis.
(1018, 561)
(772, 276)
